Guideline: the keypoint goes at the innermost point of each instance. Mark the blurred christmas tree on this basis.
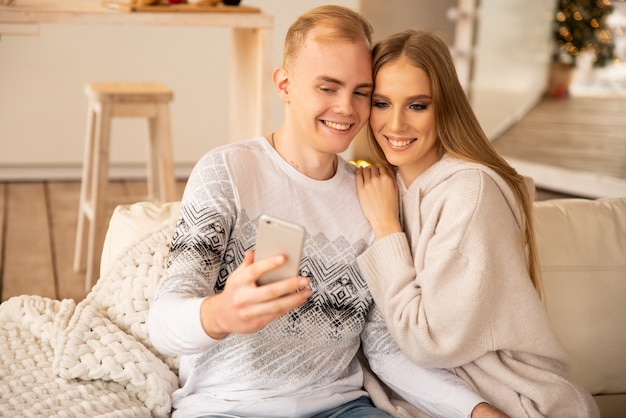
(581, 25)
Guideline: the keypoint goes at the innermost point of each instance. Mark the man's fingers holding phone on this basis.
(244, 307)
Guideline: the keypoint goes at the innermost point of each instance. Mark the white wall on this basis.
(511, 60)
(43, 108)
(391, 16)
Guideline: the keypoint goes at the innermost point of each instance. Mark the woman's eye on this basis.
(418, 106)
(380, 105)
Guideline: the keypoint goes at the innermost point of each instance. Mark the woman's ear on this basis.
(281, 83)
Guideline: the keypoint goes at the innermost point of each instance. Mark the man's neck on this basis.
(317, 166)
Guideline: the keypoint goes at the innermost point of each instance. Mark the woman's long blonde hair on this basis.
(458, 131)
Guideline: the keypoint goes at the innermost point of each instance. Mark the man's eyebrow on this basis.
(329, 79)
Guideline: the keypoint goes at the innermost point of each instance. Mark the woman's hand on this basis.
(244, 307)
(378, 194)
(485, 410)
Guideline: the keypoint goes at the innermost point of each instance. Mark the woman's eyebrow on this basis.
(420, 97)
(408, 99)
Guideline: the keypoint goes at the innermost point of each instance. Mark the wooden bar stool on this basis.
(107, 101)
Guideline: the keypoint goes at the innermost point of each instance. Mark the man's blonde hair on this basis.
(345, 24)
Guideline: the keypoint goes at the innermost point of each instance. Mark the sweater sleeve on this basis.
(445, 300)
(175, 328)
(438, 392)
(194, 268)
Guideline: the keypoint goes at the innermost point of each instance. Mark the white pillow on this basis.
(128, 223)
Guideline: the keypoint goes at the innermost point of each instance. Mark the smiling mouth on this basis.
(399, 143)
(338, 126)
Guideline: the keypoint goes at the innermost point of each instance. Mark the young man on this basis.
(288, 348)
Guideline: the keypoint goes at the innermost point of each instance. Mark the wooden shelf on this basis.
(93, 13)
(127, 6)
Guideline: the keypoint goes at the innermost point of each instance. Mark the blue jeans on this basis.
(358, 408)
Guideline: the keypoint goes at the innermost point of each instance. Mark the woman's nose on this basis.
(396, 120)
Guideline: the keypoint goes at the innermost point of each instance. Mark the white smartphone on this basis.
(277, 236)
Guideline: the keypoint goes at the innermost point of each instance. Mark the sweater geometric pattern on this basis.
(315, 343)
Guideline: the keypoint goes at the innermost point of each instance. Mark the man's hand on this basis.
(244, 307)
(485, 410)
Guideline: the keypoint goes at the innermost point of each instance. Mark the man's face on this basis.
(329, 92)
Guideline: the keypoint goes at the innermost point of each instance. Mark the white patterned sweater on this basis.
(303, 362)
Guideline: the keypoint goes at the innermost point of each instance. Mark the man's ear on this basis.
(281, 83)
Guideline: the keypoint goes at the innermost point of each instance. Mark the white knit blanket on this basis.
(94, 358)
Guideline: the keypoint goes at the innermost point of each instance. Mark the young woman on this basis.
(456, 274)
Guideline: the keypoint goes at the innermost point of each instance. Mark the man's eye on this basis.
(362, 93)
(326, 90)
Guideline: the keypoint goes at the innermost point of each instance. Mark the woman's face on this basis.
(403, 118)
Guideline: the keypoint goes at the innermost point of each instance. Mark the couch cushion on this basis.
(582, 251)
(128, 223)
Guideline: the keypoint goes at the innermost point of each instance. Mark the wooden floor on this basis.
(38, 219)
(37, 230)
(575, 146)
(37, 234)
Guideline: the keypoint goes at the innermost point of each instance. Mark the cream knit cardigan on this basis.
(455, 292)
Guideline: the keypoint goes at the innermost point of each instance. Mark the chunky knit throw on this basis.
(94, 358)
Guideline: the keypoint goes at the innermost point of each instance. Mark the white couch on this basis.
(95, 357)
(582, 251)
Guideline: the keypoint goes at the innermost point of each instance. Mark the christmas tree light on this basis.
(581, 25)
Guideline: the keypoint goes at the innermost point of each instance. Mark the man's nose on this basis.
(344, 104)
